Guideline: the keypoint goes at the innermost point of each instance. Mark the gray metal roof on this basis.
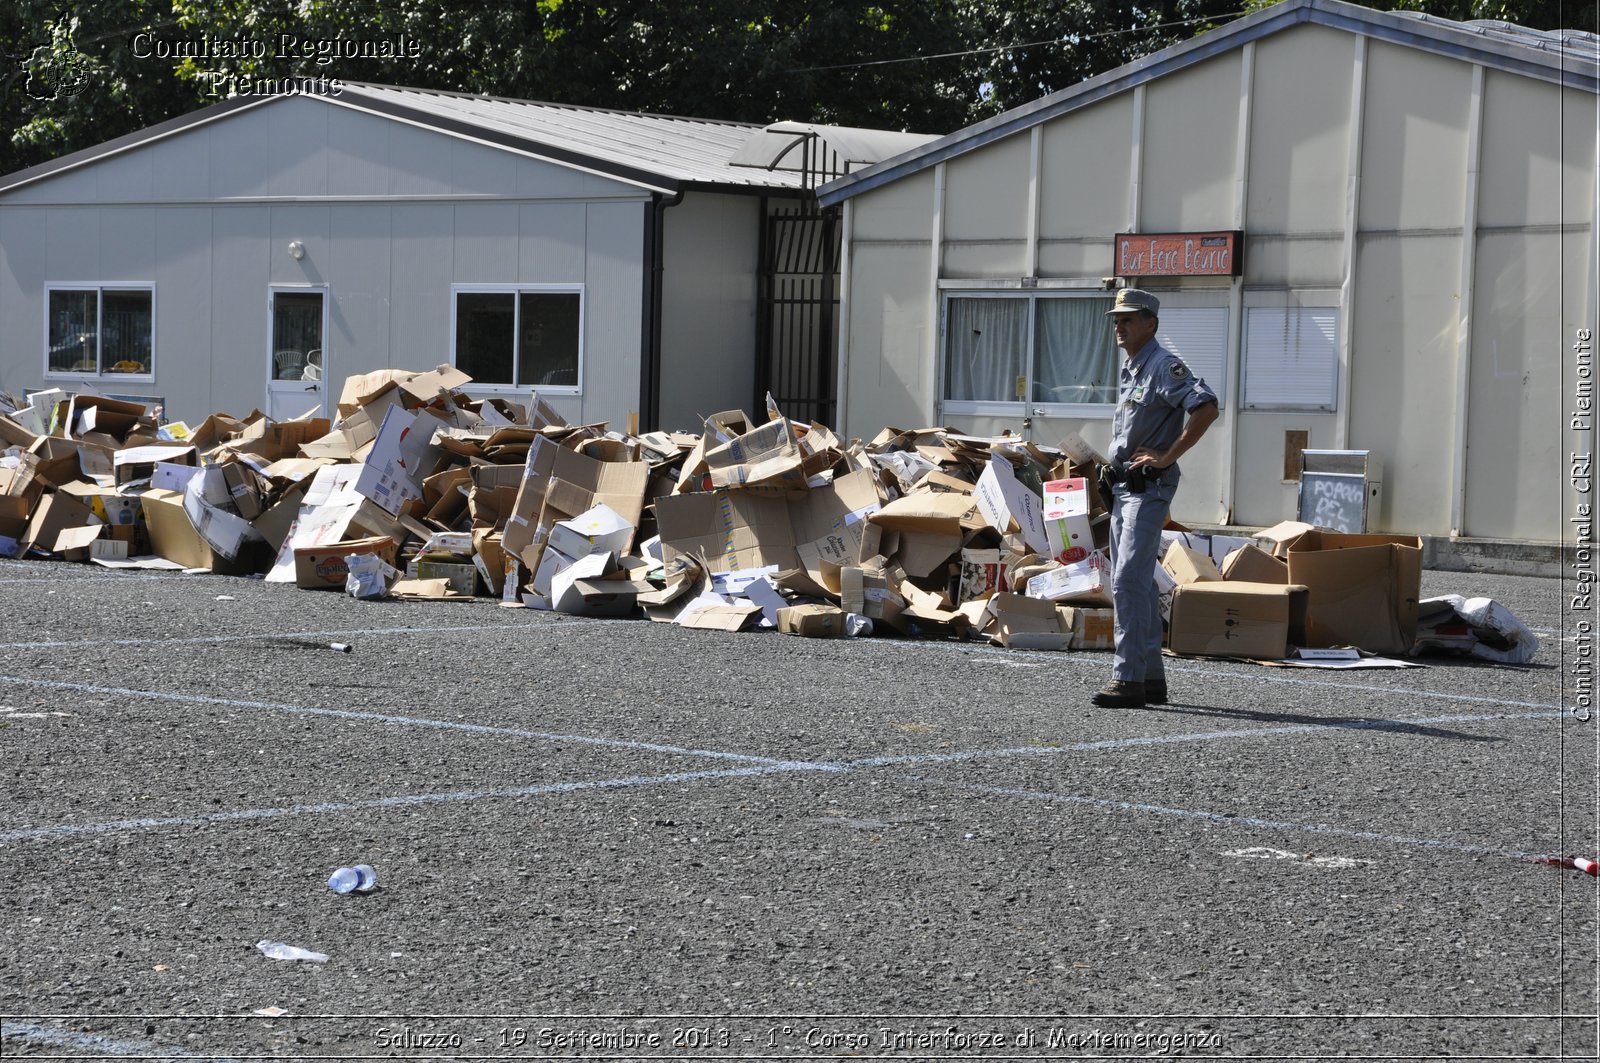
(1564, 57)
(658, 152)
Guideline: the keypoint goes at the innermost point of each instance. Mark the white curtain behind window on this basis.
(1075, 352)
(988, 349)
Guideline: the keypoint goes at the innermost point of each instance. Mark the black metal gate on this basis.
(798, 312)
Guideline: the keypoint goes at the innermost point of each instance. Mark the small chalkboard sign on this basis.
(1336, 500)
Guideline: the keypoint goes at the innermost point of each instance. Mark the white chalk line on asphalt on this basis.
(1203, 736)
(398, 720)
(95, 1046)
(66, 830)
(775, 766)
(1229, 819)
(283, 636)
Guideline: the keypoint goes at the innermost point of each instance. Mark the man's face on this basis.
(1133, 332)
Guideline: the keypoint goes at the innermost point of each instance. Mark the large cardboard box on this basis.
(173, 536)
(1223, 619)
(766, 454)
(1004, 501)
(832, 520)
(1364, 589)
(579, 482)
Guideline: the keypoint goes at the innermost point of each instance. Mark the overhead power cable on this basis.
(1068, 39)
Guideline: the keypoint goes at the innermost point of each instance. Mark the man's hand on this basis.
(1144, 458)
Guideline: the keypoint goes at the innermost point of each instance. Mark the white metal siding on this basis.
(708, 320)
(1413, 157)
(1299, 141)
(1190, 133)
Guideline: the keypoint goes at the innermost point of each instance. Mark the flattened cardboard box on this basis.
(834, 519)
(731, 529)
(1364, 589)
(1222, 619)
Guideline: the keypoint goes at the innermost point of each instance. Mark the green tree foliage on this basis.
(71, 80)
(74, 79)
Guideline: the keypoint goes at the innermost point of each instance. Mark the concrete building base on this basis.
(1506, 557)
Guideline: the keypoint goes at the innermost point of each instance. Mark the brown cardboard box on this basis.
(173, 536)
(1025, 623)
(1189, 566)
(324, 568)
(1251, 564)
(1364, 589)
(1283, 535)
(62, 524)
(1231, 619)
(929, 523)
(812, 621)
(1092, 629)
(731, 529)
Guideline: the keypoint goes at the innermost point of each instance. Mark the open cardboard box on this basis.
(1364, 588)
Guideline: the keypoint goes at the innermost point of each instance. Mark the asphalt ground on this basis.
(618, 839)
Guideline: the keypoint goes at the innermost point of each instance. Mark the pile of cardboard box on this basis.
(439, 495)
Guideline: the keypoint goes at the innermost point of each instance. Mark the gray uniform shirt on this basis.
(1154, 392)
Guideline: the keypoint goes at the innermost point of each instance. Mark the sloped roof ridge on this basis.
(554, 105)
(1567, 65)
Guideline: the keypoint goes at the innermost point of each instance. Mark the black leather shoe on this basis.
(1155, 693)
(1121, 694)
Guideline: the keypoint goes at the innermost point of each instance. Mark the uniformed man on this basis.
(1162, 410)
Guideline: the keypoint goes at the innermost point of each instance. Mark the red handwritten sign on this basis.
(1180, 254)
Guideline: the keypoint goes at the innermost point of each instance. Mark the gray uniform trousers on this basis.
(1136, 523)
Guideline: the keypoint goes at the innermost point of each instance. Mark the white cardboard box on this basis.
(597, 530)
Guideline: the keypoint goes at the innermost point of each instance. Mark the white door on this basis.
(297, 360)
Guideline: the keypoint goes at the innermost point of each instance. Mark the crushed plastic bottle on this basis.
(277, 950)
(359, 879)
(855, 625)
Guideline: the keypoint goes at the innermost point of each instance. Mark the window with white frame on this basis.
(1018, 347)
(100, 330)
(520, 336)
(1059, 348)
(1291, 357)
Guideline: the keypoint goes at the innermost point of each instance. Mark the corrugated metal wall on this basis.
(1459, 278)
